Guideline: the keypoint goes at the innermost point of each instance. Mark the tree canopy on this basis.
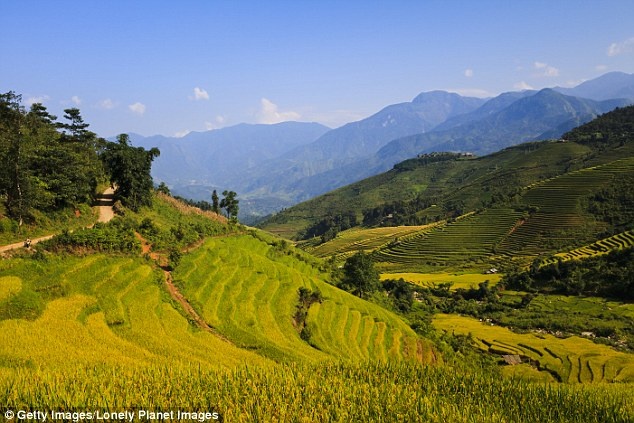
(129, 170)
(359, 275)
(48, 165)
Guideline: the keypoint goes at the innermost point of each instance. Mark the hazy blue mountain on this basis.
(357, 140)
(527, 119)
(489, 108)
(275, 166)
(605, 87)
(216, 157)
(532, 116)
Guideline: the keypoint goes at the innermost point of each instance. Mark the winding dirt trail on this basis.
(103, 204)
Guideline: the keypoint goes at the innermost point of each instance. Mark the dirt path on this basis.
(195, 317)
(103, 204)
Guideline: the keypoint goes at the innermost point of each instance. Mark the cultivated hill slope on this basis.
(117, 309)
(525, 200)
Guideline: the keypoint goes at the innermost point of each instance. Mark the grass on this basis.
(572, 359)
(333, 392)
(468, 243)
(248, 290)
(602, 246)
(46, 224)
(359, 239)
(465, 280)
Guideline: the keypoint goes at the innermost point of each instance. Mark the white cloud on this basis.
(76, 100)
(545, 69)
(468, 73)
(37, 99)
(269, 113)
(218, 123)
(138, 108)
(470, 92)
(199, 94)
(522, 85)
(182, 133)
(623, 47)
(107, 104)
(601, 68)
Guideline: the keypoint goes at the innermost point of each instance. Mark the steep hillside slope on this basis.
(524, 177)
(122, 309)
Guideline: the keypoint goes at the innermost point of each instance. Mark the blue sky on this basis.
(168, 67)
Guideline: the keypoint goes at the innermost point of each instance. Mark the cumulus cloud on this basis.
(199, 94)
(269, 113)
(470, 92)
(545, 70)
(75, 100)
(217, 123)
(601, 68)
(468, 73)
(37, 99)
(106, 104)
(182, 133)
(522, 85)
(616, 49)
(138, 108)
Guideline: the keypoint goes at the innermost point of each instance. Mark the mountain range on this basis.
(276, 166)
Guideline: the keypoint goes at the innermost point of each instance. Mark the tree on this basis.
(359, 275)
(215, 202)
(129, 168)
(163, 188)
(230, 204)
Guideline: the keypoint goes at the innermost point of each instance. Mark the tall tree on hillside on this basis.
(230, 204)
(13, 172)
(359, 275)
(129, 168)
(215, 202)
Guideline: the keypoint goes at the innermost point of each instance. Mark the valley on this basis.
(509, 273)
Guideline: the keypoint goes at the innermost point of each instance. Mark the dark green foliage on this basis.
(215, 202)
(608, 130)
(129, 169)
(400, 293)
(230, 204)
(329, 227)
(306, 299)
(615, 205)
(610, 275)
(174, 258)
(399, 213)
(41, 168)
(115, 236)
(360, 277)
(163, 188)
(424, 159)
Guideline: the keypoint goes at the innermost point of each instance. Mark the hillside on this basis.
(118, 307)
(208, 317)
(521, 178)
(506, 120)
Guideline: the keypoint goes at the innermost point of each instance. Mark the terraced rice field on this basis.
(571, 360)
(251, 299)
(469, 239)
(603, 246)
(558, 200)
(102, 310)
(357, 239)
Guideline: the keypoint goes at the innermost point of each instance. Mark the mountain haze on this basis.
(276, 166)
(610, 85)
